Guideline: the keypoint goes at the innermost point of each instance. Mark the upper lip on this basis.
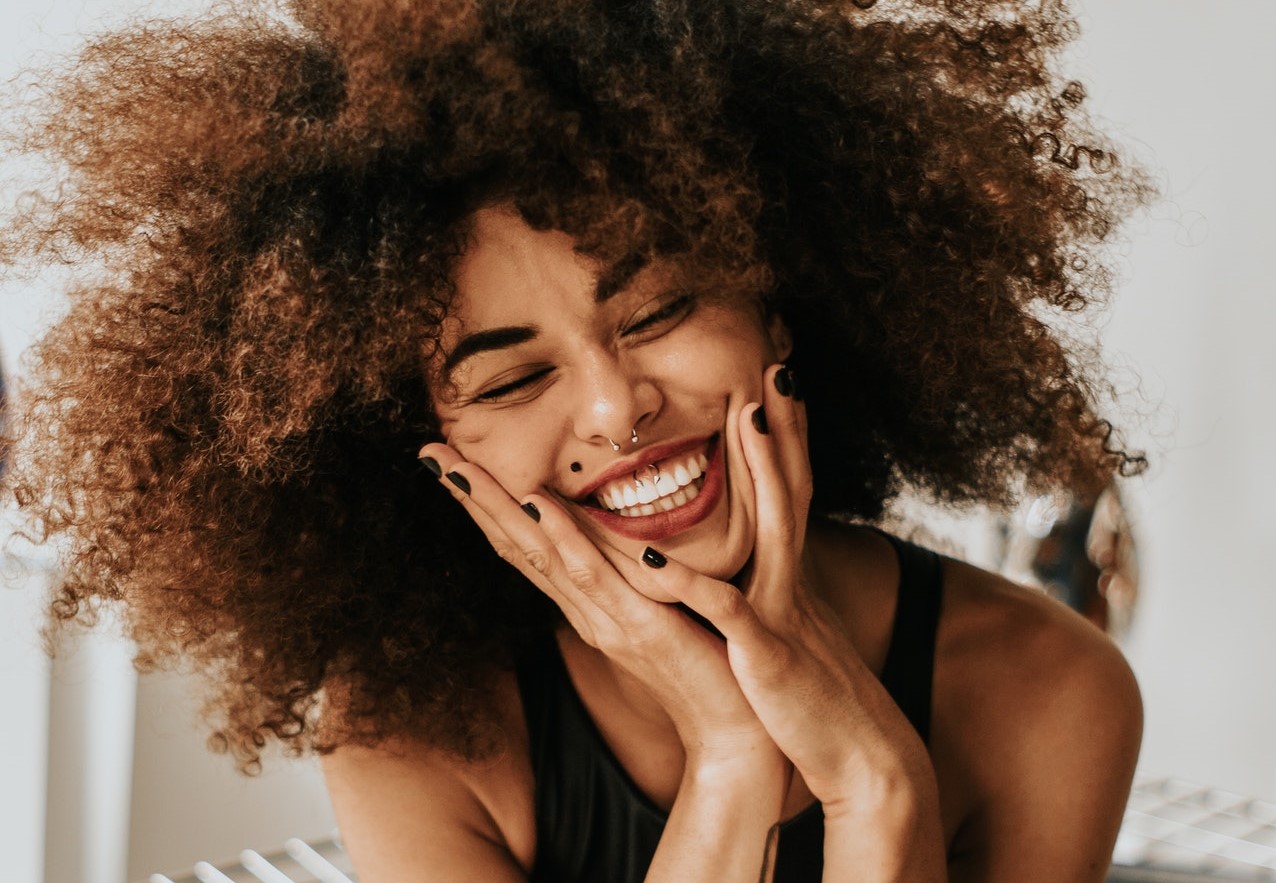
(648, 455)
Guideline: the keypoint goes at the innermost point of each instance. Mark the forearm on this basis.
(721, 828)
(892, 838)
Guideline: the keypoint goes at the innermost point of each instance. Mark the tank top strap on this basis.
(593, 823)
(908, 673)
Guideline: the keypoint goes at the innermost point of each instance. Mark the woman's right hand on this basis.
(600, 591)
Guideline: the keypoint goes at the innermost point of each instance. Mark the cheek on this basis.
(509, 455)
(731, 349)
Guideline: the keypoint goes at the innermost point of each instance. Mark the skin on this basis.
(1029, 763)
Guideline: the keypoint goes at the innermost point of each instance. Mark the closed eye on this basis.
(505, 390)
(675, 308)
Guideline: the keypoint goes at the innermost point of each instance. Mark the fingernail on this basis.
(433, 465)
(759, 421)
(459, 480)
(784, 382)
(532, 512)
(652, 558)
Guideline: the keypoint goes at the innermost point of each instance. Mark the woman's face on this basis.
(537, 372)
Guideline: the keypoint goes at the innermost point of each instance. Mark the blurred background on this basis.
(104, 775)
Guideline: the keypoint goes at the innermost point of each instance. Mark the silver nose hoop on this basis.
(633, 437)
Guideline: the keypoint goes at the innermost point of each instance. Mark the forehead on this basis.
(512, 272)
(506, 261)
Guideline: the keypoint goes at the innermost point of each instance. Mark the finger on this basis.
(548, 546)
(720, 603)
(590, 573)
(504, 523)
(780, 530)
(786, 420)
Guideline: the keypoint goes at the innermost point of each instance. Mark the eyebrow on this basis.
(488, 340)
(608, 285)
(618, 276)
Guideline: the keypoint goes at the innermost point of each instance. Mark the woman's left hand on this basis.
(793, 659)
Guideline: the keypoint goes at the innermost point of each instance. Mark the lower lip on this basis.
(660, 525)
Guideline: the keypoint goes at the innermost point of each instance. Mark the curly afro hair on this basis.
(222, 429)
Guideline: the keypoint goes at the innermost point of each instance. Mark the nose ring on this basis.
(633, 437)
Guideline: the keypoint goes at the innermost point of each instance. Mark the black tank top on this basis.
(593, 825)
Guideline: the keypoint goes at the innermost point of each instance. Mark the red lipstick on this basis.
(661, 525)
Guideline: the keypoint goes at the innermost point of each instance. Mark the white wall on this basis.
(1190, 85)
(74, 807)
(24, 694)
(188, 804)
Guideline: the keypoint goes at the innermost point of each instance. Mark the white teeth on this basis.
(661, 504)
(673, 486)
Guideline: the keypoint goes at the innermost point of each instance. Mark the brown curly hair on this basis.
(223, 428)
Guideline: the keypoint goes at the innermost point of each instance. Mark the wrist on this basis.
(893, 793)
(754, 772)
(891, 825)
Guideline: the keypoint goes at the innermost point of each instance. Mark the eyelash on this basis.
(680, 304)
(500, 392)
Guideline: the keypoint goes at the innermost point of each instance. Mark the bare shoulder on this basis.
(1037, 724)
(408, 810)
(1016, 655)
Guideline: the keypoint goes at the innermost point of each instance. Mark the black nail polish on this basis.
(652, 558)
(784, 382)
(433, 465)
(759, 421)
(576, 467)
(532, 512)
(459, 480)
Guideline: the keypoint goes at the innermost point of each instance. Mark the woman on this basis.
(677, 298)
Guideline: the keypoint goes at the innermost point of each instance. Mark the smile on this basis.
(659, 487)
(665, 497)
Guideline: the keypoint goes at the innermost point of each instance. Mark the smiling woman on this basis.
(541, 362)
(498, 399)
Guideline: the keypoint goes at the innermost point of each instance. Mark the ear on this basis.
(781, 338)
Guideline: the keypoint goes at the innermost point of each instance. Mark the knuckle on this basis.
(643, 635)
(793, 620)
(611, 641)
(587, 634)
(539, 560)
(504, 551)
(584, 578)
(731, 604)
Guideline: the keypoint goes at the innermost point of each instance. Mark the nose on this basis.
(615, 399)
